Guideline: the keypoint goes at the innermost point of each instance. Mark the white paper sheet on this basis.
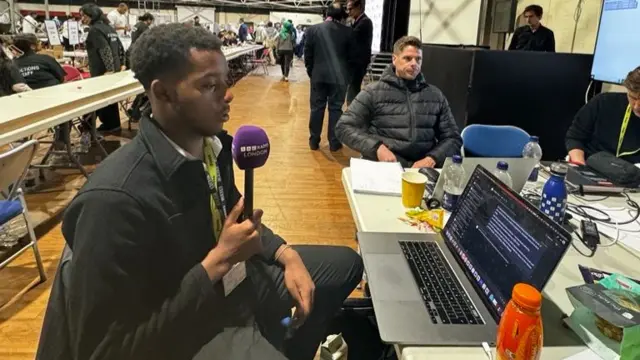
(373, 177)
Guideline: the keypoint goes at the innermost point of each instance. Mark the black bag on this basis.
(356, 322)
(619, 171)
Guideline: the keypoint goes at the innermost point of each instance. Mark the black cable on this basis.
(593, 251)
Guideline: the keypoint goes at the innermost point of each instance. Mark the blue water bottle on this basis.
(554, 193)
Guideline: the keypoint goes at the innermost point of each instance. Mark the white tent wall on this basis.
(297, 18)
(68, 9)
(207, 14)
(234, 18)
(445, 22)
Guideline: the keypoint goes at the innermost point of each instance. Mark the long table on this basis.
(377, 213)
(28, 113)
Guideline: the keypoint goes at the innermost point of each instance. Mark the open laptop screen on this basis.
(500, 240)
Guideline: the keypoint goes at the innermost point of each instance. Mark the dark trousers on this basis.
(286, 56)
(335, 271)
(109, 117)
(323, 94)
(355, 84)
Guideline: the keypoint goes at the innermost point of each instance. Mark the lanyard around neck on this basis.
(217, 200)
(623, 131)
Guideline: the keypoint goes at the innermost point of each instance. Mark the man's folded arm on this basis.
(106, 230)
(352, 128)
(582, 128)
(447, 135)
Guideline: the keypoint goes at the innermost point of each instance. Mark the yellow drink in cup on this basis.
(413, 184)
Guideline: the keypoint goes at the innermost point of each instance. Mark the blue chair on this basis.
(14, 165)
(493, 141)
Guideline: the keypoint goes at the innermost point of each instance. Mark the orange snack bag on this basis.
(520, 329)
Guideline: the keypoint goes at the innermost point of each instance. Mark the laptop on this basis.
(451, 288)
(519, 169)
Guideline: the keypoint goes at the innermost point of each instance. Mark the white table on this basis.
(28, 113)
(376, 213)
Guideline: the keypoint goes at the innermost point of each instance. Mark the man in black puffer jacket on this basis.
(401, 117)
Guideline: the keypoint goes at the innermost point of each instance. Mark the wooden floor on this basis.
(300, 191)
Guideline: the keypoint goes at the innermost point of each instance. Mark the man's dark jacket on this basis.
(134, 287)
(362, 38)
(329, 53)
(411, 118)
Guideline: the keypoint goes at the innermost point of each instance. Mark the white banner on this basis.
(52, 32)
(73, 36)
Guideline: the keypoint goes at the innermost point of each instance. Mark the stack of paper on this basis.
(372, 177)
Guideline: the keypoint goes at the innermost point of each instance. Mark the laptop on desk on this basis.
(451, 288)
(519, 169)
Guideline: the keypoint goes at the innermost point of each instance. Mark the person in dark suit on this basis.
(328, 58)
(362, 36)
(534, 36)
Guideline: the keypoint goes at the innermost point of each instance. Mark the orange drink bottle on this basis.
(520, 329)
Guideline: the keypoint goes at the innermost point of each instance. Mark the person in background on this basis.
(299, 41)
(106, 56)
(57, 21)
(243, 31)
(270, 42)
(118, 19)
(196, 21)
(285, 45)
(29, 23)
(401, 118)
(363, 36)
(144, 22)
(157, 267)
(11, 82)
(260, 34)
(533, 36)
(609, 122)
(38, 70)
(328, 58)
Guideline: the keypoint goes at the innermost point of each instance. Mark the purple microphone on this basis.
(250, 149)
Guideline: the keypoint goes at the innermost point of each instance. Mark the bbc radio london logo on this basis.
(254, 150)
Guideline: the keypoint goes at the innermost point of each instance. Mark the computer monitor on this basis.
(502, 240)
(617, 49)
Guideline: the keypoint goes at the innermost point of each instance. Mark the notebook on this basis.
(373, 177)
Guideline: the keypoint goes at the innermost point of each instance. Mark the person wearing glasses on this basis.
(610, 122)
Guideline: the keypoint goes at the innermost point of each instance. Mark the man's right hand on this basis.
(576, 156)
(384, 154)
(237, 242)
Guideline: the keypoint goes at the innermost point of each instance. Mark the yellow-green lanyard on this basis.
(215, 186)
(623, 130)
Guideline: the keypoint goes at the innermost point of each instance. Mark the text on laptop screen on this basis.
(502, 240)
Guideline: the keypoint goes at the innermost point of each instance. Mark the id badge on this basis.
(234, 277)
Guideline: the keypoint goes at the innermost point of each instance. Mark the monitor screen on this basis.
(502, 240)
(618, 44)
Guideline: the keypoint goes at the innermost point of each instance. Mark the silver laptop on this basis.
(519, 169)
(451, 288)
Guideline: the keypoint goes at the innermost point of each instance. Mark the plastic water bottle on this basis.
(554, 193)
(454, 176)
(501, 172)
(85, 142)
(533, 151)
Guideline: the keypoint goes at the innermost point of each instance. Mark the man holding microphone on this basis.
(163, 267)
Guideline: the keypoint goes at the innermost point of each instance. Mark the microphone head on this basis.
(250, 147)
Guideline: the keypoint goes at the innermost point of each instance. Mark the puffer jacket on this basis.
(412, 119)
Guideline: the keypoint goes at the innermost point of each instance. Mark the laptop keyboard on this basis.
(441, 291)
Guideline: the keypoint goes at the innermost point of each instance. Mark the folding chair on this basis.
(262, 60)
(14, 165)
